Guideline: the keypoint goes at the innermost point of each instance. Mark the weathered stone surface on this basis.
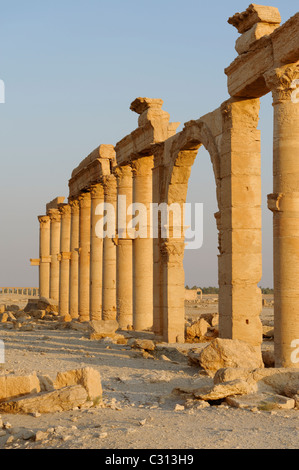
(102, 328)
(268, 358)
(44, 303)
(88, 377)
(63, 399)
(261, 401)
(14, 386)
(276, 379)
(2, 308)
(145, 344)
(230, 374)
(229, 353)
(197, 330)
(226, 389)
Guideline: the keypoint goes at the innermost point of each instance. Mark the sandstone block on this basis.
(15, 386)
(229, 353)
(261, 401)
(145, 344)
(102, 328)
(198, 329)
(2, 308)
(64, 399)
(226, 389)
(88, 377)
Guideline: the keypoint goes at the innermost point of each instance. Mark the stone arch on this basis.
(178, 158)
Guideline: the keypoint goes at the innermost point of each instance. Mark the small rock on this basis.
(179, 407)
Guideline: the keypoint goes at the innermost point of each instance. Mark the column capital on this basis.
(172, 251)
(43, 219)
(84, 199)
(142, 166)
(74, 205)
(284, 83)
(54, 215)
(109, 185)
(97, 191)
(64, 209)
(122, 172)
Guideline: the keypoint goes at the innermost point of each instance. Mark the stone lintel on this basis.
(54, 203)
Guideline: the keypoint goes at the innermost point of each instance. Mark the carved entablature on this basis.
(284, 83)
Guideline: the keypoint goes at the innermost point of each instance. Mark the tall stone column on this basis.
(55, 219)
(84, 257)
(96, 255)
(74, 261)
(65, 255)
(284, 203)
(172, 256)
(109, 255)
(239, 223)
(124, 268)
(143, 248)
(44, 256)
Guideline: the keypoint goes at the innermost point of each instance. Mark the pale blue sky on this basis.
(71, 70)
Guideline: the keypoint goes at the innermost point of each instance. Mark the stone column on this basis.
(172, 256)
(109, 255)
(124, 269)
(74, 262)
(96, 255)
(55, 219)
(44, 256)
(284, 202)
(84, 257)
(143, 248)
(239, 223)
(65, 255)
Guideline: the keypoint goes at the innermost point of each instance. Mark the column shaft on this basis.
(84, 257)
(64, 288)
(44, 255)
(96, 255)
(109, 255)
(74, 262)
(55, 219)
(124, 267)
(284, 202)
(143, 248)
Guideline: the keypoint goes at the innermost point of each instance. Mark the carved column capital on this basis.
(284, 83)
(142, 166)
(65, 210)
(74, 204)
(43, 219)
(54, 215)
(97, 191)
(84, 200)
(172, 251)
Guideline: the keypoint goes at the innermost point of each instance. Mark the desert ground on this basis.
(139, 409)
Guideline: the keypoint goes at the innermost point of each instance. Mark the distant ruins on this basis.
(140, 280)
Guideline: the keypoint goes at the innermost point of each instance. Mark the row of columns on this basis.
(96, 278)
